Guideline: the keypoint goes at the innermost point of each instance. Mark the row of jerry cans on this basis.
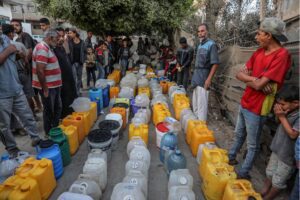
(91, 183)
(160, 112)
(33, 180)
(135, 183)
(115, 75)
(215, 171)
(180, 102)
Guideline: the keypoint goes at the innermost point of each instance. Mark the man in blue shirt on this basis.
(206, 64)
(12, 99)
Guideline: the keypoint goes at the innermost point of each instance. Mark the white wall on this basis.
(6, 11)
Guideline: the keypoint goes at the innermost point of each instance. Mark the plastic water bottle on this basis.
(7, 166)
(174, 125)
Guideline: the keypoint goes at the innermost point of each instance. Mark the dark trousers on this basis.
(52, 108)
(90, 73)
(183, 77)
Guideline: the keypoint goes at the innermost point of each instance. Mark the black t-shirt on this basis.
(26, 39)
(76, 52)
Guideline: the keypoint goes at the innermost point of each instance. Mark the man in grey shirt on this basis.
(206, 64)
(12, 99)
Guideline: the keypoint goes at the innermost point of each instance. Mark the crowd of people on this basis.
(47, 76)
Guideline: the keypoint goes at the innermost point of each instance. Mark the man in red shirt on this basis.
(263, 74)
(46, 77)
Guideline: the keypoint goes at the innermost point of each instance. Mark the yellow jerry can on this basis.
(240, 190)
(190, 127)
(76, 121)
(87, 121)
(200, 135)
(140, 131)
(93, 111)
(72, 135)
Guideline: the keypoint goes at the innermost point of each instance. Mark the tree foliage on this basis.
(119, 16)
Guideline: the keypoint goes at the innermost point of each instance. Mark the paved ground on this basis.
(157, 185)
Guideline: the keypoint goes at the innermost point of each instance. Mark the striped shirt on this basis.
(43, 54)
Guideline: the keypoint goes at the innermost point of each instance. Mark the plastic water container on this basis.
(174, 125)
(135, 141)
(164, 86)
(140, 153)
(47, 149)
(87, 187)
(181, 193)
(200, 136)
(240, 189)
(190, 127)
(218, 175)
(97, 168)
(168, 153)
(101, 139)
(127, 191)
(16, 187)
(123, 105)
(76, 121)
(58, 137)
(140, 131)
(94, 111)
(179, 106)
(160, 129)
(87, 122)
(73, 196)
(138, 179)
(113, 92)
(71, 133)
(7, 166)
(170, 141)
(114, 127)
(105, 94)
(180, 177)
(176, 161)
(98, 153)
(122, 112)
(208, 145)
(81, 104)
(115, 116)
(41, 171)
(137, 165)
(214, 156)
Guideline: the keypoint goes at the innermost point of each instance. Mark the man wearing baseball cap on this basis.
(263, 75)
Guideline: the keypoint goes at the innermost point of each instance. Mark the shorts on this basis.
(278, 172)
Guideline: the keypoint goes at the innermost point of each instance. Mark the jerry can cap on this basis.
(43, 163)
(182, 180)
(184, 198)
(25, 187)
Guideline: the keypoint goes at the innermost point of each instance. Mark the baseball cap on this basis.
(274, 26)
(182, 40)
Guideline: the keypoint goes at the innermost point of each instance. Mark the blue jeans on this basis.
(248, 127)
(124, 65)
(295, 192)
(101, 71)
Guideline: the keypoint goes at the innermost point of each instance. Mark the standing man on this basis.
(12, 98)
(25, 74)
(47, 78)
(77, 56)
(184, 58)
(68, 89)
(112, 49)
(263, 74)
(44, 24)
(207, 61)
(88, 40)
(141, 50)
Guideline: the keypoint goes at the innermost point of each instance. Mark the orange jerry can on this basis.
(216, 155)
(140, 131)
(41, 171)
(93, 111)
(164, 86)
(240, 190)
(114, 92)
(78, 122)
(20, 188)
(121, 111)
(191, 125)
(216, 179)
(72, 135)
(87, 121)
(200, 135)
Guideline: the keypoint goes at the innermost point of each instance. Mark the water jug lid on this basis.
(162, 127)
(46, 143)
(178, 152)
(182, 180)
(5, 157)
